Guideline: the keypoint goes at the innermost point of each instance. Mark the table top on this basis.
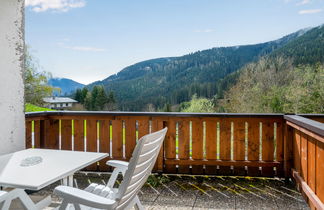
(34, 169)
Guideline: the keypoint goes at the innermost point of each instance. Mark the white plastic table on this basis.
(34, 169)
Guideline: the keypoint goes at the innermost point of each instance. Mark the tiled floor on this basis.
(194, 192)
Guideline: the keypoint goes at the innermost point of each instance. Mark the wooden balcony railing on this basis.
(306, 149)
(219, 144)
(238, 144)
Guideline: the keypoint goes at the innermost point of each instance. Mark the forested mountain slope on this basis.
(289, 80)
(175, 79)
(305, 49)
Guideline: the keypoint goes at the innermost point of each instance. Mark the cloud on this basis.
(204, 31)
(309, 11)
(54, 5)
(303, 2)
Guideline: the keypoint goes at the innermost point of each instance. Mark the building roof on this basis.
(59, 100)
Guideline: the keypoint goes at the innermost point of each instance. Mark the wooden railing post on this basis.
(288, 150)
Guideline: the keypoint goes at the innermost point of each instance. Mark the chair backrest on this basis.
(140, 167)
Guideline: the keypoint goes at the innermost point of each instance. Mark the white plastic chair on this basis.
(2, 198)
(135, 174)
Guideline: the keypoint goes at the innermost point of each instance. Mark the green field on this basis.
(33, 108)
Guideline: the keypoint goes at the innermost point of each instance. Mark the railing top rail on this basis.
(155, 114)
(309, 124)
(310, 115)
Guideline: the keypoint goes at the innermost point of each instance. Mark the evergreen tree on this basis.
(84, 94)
(88, 102)
(111, 101)
(78, 96)
(101, 99)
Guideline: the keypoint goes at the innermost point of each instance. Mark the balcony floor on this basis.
(197, 192)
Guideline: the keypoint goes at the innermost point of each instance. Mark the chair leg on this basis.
(138, 204)
(63, 205)
(77, 206)
(5, 205)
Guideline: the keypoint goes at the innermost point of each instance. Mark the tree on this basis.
(78, 96)
(202, 105)
(88, 101)
(101, 99)
(97, 99)
(275, 85)
(167, 108)
(36, 86)
(84, 94)
(111, 101)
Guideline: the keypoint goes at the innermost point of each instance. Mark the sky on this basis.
(89, 40)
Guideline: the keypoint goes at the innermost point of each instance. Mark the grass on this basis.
(33, 108)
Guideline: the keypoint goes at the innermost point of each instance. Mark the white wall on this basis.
(12, 118)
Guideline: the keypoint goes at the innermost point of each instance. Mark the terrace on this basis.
(207, 161)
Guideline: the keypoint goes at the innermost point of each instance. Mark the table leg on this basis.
(25, 200)
(65, 181)
(70, 181)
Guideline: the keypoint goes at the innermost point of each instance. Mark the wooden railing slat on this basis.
(253, 145)
(183, 145)
(143, 126)
(170, 145)
(297, 151)
(267, 146)
(130, 129)
(303, 156)
(225, 145)
(66, 134)
(117, 139)
(197, 144)
(320, 170)
(50, 139)
(280, 147)
(78, 134)
(211, 144)
(311, 165)
(91, 137)
(158, 124)
(239, 145)
(104, 142)
(28, 133)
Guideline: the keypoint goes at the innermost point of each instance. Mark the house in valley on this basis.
(60, 103)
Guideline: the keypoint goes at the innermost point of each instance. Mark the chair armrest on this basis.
(123, 165)
(74, 195)
(120, 167)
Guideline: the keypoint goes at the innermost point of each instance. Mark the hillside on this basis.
(175, 79)
(305, 49)
(67, 86)
(289, 80)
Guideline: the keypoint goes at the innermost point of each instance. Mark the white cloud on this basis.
(309, 11)
(303, 2)
(204, 31)
(54, 5)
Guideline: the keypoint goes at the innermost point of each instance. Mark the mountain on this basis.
(206, 73)
(67, 86)
(306, 48)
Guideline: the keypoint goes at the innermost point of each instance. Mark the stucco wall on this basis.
(12, 119)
